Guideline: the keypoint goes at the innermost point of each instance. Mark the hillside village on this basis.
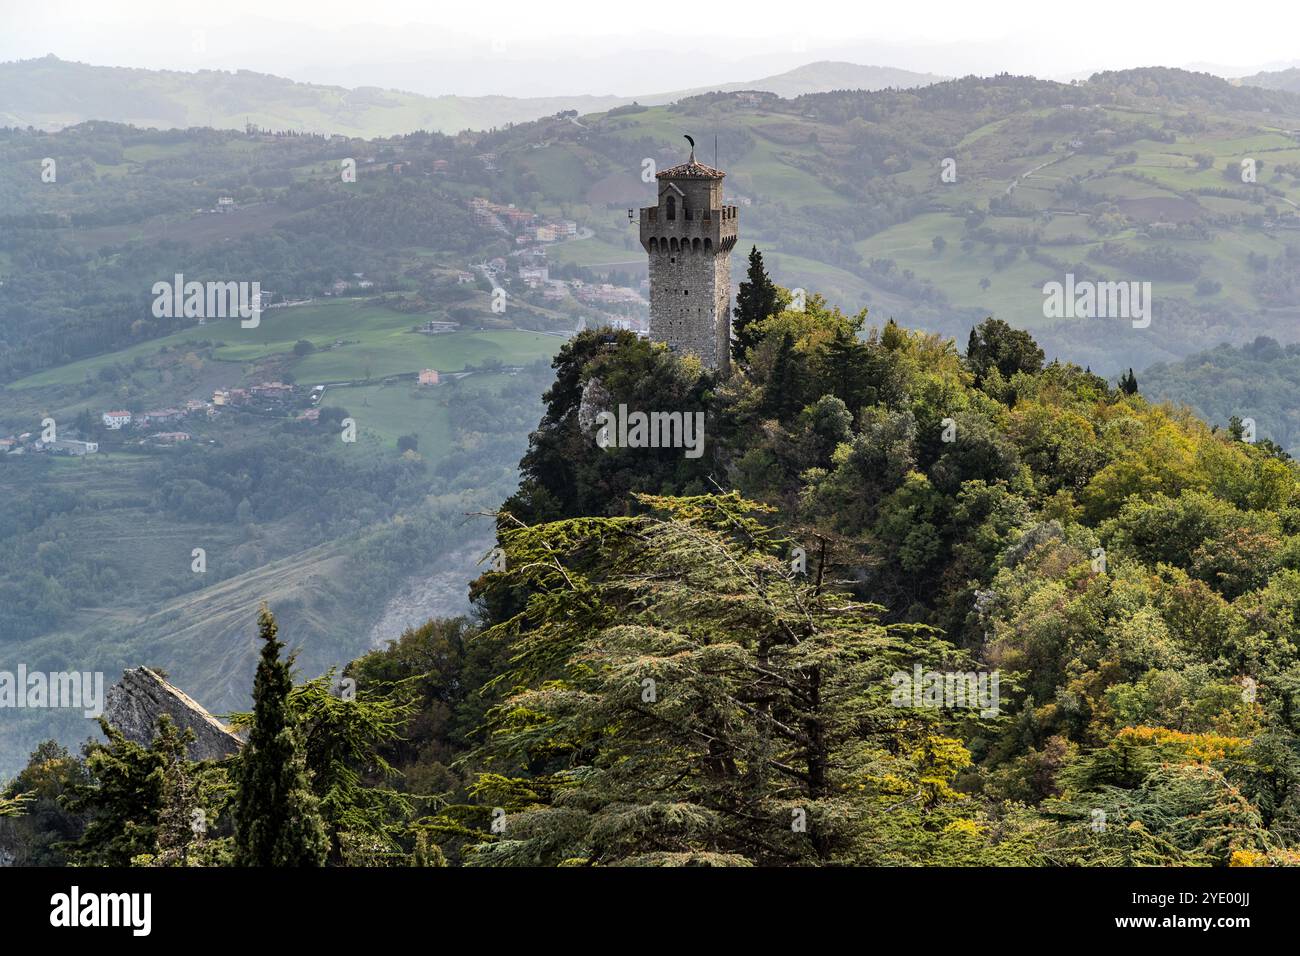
(619, 306)
(121, 428)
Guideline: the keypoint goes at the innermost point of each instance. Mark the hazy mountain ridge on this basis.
(821, 77)
(1288, 80)
(50, 93)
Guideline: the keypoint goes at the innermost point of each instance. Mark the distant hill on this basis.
(1108, 179)
(50, 93)
(1288, 80)
(822, 77)
(1258, 380)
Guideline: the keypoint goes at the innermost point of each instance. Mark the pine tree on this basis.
(1128, 384)
(893, 337)
(687, 697)
(277, 819)
(13, 806)
(122, 796)
(756, 299)
(182, 821)
(345, 738)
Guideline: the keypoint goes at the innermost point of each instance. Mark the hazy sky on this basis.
(538, 47)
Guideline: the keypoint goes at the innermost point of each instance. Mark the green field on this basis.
(387, 411)
(380, 343)
(398, 352)
(596, 252)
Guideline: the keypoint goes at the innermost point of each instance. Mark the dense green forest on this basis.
(702, 661)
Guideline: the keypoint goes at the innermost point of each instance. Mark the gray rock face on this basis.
(135, 703)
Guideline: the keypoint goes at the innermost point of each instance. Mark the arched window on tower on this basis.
(672, 207)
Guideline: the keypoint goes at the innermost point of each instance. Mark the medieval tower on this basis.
(689, 236)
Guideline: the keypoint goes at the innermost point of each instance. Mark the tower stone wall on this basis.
(689, 234)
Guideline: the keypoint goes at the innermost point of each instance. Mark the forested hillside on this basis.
(1288, 79)
(1129, 573)
(1259, 381)
(707, 660)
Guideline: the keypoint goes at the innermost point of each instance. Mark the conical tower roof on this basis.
(691, 170)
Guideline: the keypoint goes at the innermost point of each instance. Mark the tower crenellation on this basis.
(689, 234)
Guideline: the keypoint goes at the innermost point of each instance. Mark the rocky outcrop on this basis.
(443, 592)
(135, 703)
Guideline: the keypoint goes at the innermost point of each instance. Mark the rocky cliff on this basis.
(136, 701)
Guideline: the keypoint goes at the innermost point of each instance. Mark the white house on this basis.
(534, 275)
(116, 420)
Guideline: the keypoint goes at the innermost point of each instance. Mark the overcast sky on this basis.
(591, 46)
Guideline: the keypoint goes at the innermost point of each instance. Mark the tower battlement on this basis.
(717, 226)
(689, 234)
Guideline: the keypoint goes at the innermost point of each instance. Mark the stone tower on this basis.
(689, 236)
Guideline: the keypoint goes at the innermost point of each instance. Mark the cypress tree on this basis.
(277, 819)
(847, 366)
(756, 299)
(785, 386)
